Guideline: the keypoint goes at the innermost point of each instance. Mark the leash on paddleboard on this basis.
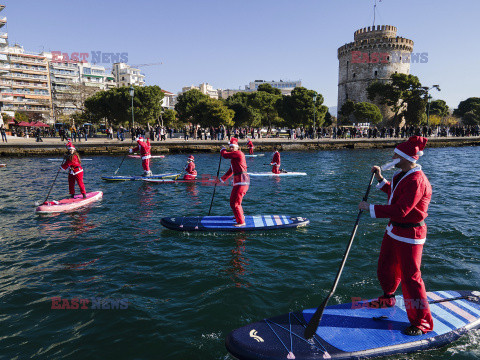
(317, 316)
(215, 187)
(53, 183)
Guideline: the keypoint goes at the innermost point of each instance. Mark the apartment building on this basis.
(285, 86)
(205, 88)
(126, 75)
(25, 86)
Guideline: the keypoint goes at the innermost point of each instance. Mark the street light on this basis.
(314, 110)
(427, 89)
(132, 92)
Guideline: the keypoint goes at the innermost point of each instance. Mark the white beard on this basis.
(390, 165)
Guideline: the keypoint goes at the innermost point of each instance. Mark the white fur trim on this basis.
(380, 184)
(372, 211)
(146, 157)
(404, 239)
(420, 153)
(405, 156)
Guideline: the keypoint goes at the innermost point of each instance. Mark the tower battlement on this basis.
(378, 31)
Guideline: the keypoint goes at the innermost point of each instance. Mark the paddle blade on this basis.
(312, 325)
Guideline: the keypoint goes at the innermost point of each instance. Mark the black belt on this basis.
(408, 225)
(240, 173)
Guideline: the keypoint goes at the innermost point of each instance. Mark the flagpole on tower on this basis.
(374, 11)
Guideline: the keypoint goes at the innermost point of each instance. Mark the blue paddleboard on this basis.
(131, 178)
(355, 331)
(226, 223)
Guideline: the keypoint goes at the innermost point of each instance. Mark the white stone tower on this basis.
(375, 54)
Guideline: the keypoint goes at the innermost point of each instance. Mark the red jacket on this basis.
(238, 168)
(190, 168)
(276, 159)
(144, 148)
(73, 164)
(407, 203)
(250, 144)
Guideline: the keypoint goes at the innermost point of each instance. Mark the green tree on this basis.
(212, 112)
(245, 115)
(365, 112)
(169, 117)
(466, 106)
(186, 103)
(267, 107)
(401, 90)
(269, 89)
(346, 111)
(328, 119)
(299, 109)
(472, 117)
(438, 107)
(20, 116)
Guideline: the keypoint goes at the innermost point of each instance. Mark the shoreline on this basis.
(102, 146)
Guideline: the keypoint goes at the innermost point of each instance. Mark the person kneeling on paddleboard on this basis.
(409, 194)
(191, 173)
(250, 147)
(241, 180)
(144, 147)
(275, 161)
(74, 163)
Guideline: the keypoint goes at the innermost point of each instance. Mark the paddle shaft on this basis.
(124, 156)
(317, 316)
(215, 187)
(53, 183)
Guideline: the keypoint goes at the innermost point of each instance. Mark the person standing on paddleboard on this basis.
(74, 163)
(250, 147)
(400, 258)
(275, 161)
(144, 148)
(241, 180)
(191, 173)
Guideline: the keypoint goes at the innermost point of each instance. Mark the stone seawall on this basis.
(103, 147)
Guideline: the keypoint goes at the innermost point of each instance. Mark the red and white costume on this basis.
(250, 147)
(191, 173)
(144, 147)
(276, 163)
(241, 180)
(69, 144)
(75, 174)
(400, 257)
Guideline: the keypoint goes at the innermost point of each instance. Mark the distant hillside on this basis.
(333, 110)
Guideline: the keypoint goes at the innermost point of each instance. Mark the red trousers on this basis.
(189, 177)
(236, 197)
(399, 262)
(71, 183)
(250, 151)
(276, 169)
(146, 164)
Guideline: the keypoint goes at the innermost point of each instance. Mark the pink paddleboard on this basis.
(3, 165)
(68, 204)
(153, 156)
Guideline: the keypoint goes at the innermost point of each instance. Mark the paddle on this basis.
(124, 156)
(53, 183)
(215, 187)
(317, 316)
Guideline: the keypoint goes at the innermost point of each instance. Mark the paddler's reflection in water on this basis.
(239, 262)
(192, 191)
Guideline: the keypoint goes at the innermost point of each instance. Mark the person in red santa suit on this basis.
(275, 161)
(191, 173)
(241, 180)
(409, 194)
(250, 147)
(74, 164)
(144, 148)
(69, 144)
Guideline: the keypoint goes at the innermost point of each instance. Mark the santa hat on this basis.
(191, 158)
(140, 138)
(412, 149)
(69, 145)
(233, 141)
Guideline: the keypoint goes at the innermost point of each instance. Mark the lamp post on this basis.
(314, 110)
(427, 89)
(132, 92)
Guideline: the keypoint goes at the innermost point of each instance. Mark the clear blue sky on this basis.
(229, 43)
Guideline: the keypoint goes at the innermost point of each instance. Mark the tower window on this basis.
(376, 72)
(354, 75)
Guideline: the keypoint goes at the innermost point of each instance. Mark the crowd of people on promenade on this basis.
(162, 133)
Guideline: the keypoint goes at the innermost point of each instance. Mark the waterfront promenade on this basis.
(102, 146)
